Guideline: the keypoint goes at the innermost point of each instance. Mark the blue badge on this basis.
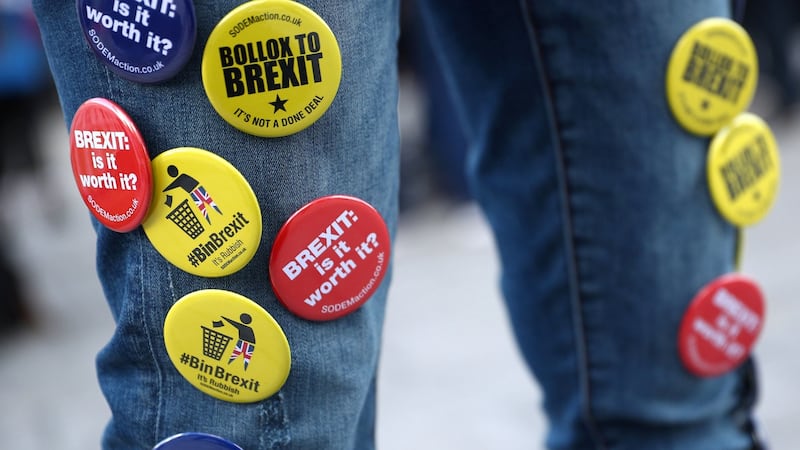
(196, 441)
(146, 41)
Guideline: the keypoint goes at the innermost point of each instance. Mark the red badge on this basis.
(721, 325)
(110, 164)
(329, 257)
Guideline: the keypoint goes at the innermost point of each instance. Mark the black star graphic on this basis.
(278, 104)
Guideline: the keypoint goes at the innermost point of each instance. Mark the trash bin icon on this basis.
(214, 343)
(184, 217)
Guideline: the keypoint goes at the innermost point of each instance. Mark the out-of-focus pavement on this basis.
(450, 377)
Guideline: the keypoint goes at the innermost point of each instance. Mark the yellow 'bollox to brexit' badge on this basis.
(744, 170)
(711, 76)
(271, 67)
(204, 217)
(227, 346)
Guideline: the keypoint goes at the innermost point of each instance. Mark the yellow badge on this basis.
(204, 218)
(744, 170)
(711, 76)
(227, 346)
(271, 67)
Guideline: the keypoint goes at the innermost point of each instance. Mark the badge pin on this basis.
(711, 76)
(227, 346)
(271, 67)
(141, 41)
(329, 257)
(743, 170)
(721, 325)
(739, 249)
(110, 164)
(204, 217)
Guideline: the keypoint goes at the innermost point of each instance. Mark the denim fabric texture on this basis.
(597, 198)
(328, 400)
(600, 210)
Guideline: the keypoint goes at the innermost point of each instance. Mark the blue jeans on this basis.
(597, 198)
(328, 400)
(599, 206)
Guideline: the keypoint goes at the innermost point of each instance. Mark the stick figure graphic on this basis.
(247, 338)
(198, 193)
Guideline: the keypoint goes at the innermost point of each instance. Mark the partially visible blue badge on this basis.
(196, 441)
(146, 41)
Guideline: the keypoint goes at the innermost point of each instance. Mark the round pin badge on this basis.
(711, 75)
(743, 169)
(196, 441)
(142, 41)
(204, 217)
(721, 325)
(271, 67)
(110, 164)
(227, 346)
(329, 257)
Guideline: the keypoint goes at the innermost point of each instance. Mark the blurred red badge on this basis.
(329, 257)
(721, 325)
(110, 164)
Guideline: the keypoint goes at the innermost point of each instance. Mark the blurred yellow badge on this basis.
(744, 170)
(204, 218)
(271, 67)
(227, 346)
(711, 76)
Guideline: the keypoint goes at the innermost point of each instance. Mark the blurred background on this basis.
(451, 377)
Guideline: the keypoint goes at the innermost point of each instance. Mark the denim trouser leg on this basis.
(599, 204)
(328, 399)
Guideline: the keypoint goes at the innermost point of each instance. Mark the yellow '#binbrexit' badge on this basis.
(227, 346)
(204, 217)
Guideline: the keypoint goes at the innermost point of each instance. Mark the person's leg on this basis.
(771, 23)
(600, 210)
(327, 401)
(14, 129)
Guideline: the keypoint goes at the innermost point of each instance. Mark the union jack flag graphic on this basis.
(243, 349)
(201, 199)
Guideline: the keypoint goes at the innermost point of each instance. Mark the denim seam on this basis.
(156, 366)
(584, 381)
(161, 374)
(112, 83)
